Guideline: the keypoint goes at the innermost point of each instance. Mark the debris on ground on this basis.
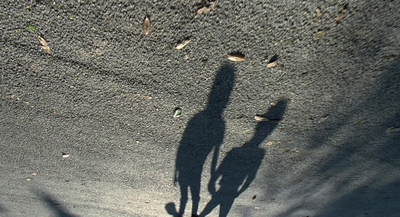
(146, 25)
(317, 14)
(32, 28)
(44, 44)
(206, 9)
(341, 13)
(339, 18)
(323, 119)
(272, 62)
(177, 112)
(270, 143)
(182, 44)
(260, 118)
(392, 129)
(235, 57)
(64, 155)
(278, 42)
(319, 35)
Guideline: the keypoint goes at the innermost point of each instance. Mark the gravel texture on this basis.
(106, 94)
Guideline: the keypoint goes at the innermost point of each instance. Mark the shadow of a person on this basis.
(203, 134)
(239, 168)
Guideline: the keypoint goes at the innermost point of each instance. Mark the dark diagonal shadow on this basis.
(56, 207)
(53, 204)
(240, 166)
(2, 209)
(204, 134)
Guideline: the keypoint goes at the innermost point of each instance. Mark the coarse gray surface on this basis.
(105, 96)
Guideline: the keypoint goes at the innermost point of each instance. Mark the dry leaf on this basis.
(212, 5)
(203, 10)
(318, 12)
(273, 64)
(206, 9)
(182, 44)
(395, 129)
(236, 57)
(323, 119)
(44, 44)
(339, 17)
(392, 129)
(146, 25)
(260, 118)
(319, 35)
(341, 13)
(42, 41)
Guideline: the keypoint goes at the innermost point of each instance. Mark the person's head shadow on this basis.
(239, 167)
(221, 89)
(202, 137)
(265, 128)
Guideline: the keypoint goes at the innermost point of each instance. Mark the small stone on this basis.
(270, 143)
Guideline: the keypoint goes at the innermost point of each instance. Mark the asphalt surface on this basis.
(88, 130)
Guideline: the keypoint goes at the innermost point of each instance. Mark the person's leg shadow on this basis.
(204, 134)
(54, 206)
(240, 166)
